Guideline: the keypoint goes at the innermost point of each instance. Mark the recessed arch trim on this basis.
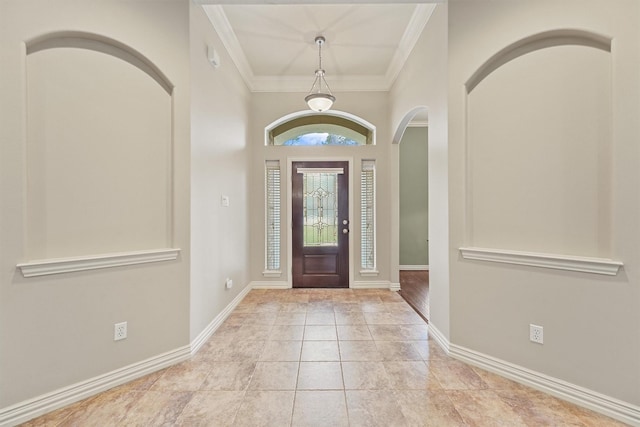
(99, 43)
(535, 42)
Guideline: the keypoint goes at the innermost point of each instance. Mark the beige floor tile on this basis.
(411, 375)
(293, 307)
(265, 409)
(414, 332)
(493, 381)
(373, 408)
(538, 409)
(320, 376)
(230, 376)
(321, 306)
(426, 409)
(281, 351)
(264, 319)
(359, 351)
(157, 408)
(274, 376)
(379, 318)
(398, 350)
(456, 375)
(107, 408)
(234, 350)
(406, 318)
(182, 377)
(211, 408)
(374, 306)
(350, 318)
(321, 318)
(365, 376)
(320, 332)
(253, 332)
(353, 332)
(385, 332)
(347, 307)
(430, 351)
(484, 408)
(291, 319)
(287, 333)
(320, 351)
(320, 409)
(400, 374)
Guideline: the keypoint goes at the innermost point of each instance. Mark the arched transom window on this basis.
(321, 129)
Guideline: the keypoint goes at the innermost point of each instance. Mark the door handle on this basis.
(345, 230)
(345, 221)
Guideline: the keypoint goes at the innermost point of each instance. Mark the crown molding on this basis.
(416, 25)
(221, 24)
(352, 83)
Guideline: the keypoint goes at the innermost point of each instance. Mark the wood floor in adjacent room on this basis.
(320, 357)
(414, 287)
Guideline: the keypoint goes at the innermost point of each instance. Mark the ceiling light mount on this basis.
(319, 100)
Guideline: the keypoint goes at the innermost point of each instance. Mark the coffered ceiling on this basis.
(273, 44)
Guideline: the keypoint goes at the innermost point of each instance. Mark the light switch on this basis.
(224, 201)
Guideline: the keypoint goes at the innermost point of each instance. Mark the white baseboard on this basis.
(439, 337)
(48, 402)
(370, 284)
(217, 321)
(269, 285)
(394, 287)
(581, 396)
(414, 267)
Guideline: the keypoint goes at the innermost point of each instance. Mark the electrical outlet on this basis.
(120, 331)
(535, 334)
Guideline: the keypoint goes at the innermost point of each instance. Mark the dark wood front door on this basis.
(320, 220)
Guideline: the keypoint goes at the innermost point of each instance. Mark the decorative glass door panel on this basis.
(320, 221)
(320, 208)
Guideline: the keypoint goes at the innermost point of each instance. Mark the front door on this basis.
(320, 221)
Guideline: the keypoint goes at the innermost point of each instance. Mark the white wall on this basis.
(547, 164)
(423, 83)
(71, 183)
(219, 166)
(370, 106)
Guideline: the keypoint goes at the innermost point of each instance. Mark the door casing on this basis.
(354, 233)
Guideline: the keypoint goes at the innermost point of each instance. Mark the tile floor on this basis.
(322, 358)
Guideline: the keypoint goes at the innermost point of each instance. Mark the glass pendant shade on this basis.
(319, 100)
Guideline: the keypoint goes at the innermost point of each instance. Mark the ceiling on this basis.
(273, 45)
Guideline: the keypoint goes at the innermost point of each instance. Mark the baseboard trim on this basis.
(581, 396)
(48, 402)
(217, 321)
(414, 267)
(371, 284)
(269, 285)
(395, 287)
(439, 337)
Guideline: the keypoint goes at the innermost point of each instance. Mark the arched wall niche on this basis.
(99, 43)
(538, 142)
(543, 40)
(99, 149)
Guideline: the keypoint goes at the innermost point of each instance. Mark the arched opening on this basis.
(411, 230)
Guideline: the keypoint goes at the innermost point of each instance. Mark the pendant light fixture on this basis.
(317, 99)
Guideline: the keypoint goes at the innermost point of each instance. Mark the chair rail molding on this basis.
(603, 266)
(46, 267)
